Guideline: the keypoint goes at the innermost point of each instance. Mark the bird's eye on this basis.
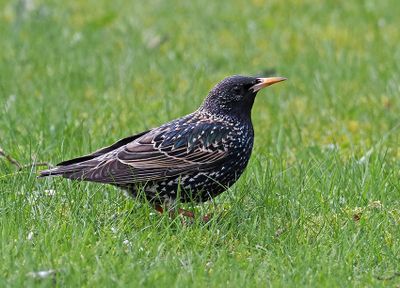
(236, 89)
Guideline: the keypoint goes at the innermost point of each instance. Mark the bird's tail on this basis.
(74, 171)
(48, 172)
(57, 171)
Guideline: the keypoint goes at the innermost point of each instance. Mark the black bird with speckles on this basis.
(195, 157)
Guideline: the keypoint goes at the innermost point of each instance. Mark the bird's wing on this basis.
(163, 153)
(103, 150)
(77, 167)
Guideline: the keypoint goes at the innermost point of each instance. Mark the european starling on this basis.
(193, 158)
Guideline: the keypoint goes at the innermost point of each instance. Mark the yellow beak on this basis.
(265, 82)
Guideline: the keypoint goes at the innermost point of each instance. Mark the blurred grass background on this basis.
(319, 202)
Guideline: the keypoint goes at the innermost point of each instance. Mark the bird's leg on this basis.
(183, 212)
(172, 212)
(186, 213)
(188, 216)
(159, 208)
(207, 218)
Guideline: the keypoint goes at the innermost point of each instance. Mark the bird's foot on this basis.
(189, 214)
(207, 218)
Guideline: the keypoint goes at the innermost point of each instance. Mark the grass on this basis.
(319, 202)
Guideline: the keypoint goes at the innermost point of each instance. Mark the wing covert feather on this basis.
(162, 153)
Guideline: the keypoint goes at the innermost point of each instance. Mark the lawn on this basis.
(319, 202)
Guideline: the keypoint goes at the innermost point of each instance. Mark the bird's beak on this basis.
(265, 82)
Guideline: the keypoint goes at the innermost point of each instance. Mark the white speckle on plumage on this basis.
(153, 188)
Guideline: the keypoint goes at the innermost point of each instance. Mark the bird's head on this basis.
(235, 94)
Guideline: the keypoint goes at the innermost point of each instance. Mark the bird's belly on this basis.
(195, 186)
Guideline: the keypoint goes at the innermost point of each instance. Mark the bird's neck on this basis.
(226, 115)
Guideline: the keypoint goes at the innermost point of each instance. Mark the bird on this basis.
(192, 158)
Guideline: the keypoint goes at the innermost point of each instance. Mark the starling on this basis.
(192, 158)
